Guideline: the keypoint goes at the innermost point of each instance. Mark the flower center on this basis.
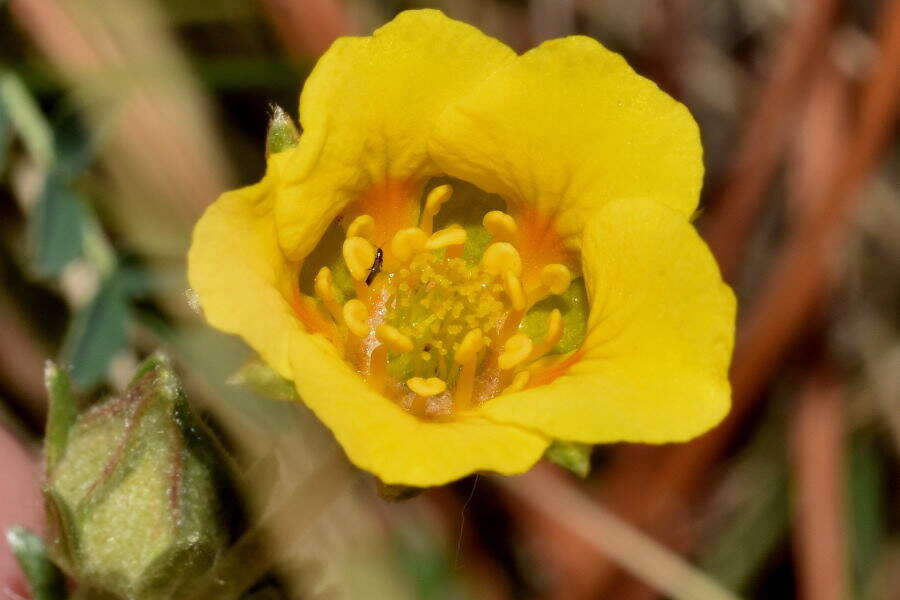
(431, 330)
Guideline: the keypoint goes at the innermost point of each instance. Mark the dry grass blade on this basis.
(543, 491)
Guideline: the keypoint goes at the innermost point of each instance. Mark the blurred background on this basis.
(120, 122)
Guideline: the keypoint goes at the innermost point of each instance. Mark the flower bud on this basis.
(282, 133)
(139, 497)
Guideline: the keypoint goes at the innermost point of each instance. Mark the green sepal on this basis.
(574, 456)
(61, 413)
(261, 379)
(282, 134)
(44, 578)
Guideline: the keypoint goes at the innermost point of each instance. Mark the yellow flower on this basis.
(428, 342)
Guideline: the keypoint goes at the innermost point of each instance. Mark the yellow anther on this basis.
(513, 288)
(450, 236)
(554, 328)
(500, 225)
(426, 387)
(362, 226)
(515, 351)
(391, 337)
(324, 285)
(469, 347)
(500, 257)
(359, 254)
(356, 316)
(324, 288)
(556, 278)
(518, 383)
(407, 242)
(433, 202)
(554, 334)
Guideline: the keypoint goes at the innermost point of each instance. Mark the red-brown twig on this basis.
(817, 455)
(306, 29)
(731, 220)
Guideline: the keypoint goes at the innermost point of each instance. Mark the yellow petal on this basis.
(367, 110)
(399, 448)
(244, 282)
(654, 366)
(566, 128)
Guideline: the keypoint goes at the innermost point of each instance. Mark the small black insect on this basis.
(375, 269)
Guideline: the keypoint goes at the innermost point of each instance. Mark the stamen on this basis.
(467, 356)
(356, 316)
(324, 287)
(500, 257)
(556, 277)
(407, 242)
(450, 236)
(362, 226)
(516, 350)
(512, 285)
(469, 347)
(359, 254)
(433, 202)
(554, 334)
(426, 387)
(395, 341)
(501, 226)
(518, 383)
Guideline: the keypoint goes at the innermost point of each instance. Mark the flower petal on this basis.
(382, 438)
(654, 367)
(242, 278)
(567, 127)
(367, 110)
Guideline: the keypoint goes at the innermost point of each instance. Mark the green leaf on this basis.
(867, 477)
(27, 119)
(262, 379)
(282, 133)
(61, 414)
(97, 333)
(44, 578)
(57, 227)
(574, 456)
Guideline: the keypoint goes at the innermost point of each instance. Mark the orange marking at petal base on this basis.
(539, 244)
(551, 373)
(312, 319)
(394, 205)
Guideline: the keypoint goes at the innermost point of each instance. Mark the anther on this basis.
(433, 202)
(469, 347)
(513, 288)
(407, 242)
(467, 356)
(518, 383)
(426, 387)
(556, 277)
(391, 337)
(516, 350)
(450, 236)
(554, 334)
(500, 225)
(362, 226)
(359, 254)
(500, 257)
(356, 316)
(324, 288)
